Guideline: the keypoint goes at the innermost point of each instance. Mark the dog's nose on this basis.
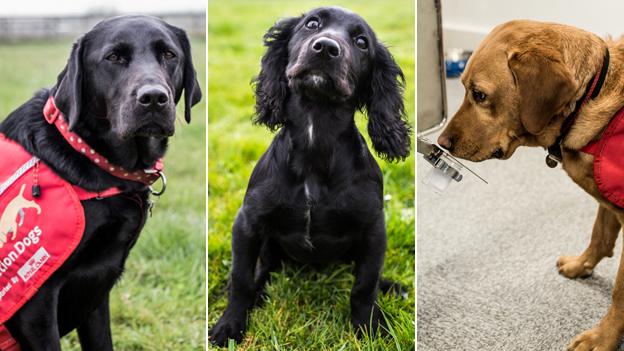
(446, 141)
(326, 45)
(152, 96)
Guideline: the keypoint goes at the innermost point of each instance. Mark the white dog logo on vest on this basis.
(13, 216)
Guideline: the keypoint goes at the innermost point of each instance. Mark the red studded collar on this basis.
(54, 116)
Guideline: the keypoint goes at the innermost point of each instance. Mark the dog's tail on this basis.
(21, 193)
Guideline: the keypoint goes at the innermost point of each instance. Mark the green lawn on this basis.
(305, 310)
(160, 302)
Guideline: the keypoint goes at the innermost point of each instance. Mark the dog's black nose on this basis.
(446, 141)
(498, 153)
(152, 96)
(326, 45)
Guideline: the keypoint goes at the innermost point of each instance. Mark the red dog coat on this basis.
(36, 235)
(608, 154)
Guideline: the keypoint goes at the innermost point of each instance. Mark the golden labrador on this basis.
(521, 84)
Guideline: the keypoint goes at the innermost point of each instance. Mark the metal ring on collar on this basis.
(161, 175)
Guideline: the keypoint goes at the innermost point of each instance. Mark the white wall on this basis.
(466, 22)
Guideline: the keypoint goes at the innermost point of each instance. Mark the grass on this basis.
(159, 304)
(306, 310)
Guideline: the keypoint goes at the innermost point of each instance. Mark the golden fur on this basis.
(532, 74)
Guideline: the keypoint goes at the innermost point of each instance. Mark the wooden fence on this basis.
(25, 28)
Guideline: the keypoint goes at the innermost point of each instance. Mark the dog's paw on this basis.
(574, 267)
(225, 329)
(595, 339)
(370, 326)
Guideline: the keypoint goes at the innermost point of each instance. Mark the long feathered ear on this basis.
(192, 90)
(387, 122)
(271, 85)
(68, 95)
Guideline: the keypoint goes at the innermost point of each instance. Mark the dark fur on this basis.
(316, 200)
(77, 294)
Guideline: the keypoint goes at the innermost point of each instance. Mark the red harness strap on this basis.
(84, 195)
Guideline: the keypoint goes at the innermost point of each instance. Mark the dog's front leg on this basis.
(242, 287)
(607, 334)
(95, 332)
(268, 261)
(35, 325)
(368, 264)
(604, 234)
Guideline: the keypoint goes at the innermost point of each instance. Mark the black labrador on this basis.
(118, 92)
(316, 195)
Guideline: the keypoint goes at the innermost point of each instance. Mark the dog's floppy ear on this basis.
(545, 86)
(192, 90)
(271, 85)
(68, 95)
(387, 125)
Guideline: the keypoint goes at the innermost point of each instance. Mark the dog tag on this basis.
(551, 162)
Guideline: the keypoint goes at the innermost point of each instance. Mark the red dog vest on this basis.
(608, 154)
(36, 234)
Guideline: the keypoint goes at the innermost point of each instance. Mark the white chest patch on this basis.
(310, 130)
(317, 80)
(306, 190)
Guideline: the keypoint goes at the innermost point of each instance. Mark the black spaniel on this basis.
(316, 195)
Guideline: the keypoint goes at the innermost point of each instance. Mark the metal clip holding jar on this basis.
(445, 167)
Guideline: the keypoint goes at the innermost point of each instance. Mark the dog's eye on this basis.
(168, 55)
(115, 58)
(361, 42)
(478, 96)
(313, 24)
